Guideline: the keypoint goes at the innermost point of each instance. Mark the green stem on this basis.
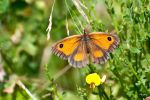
(9, 63)
(92, 68)
(99, 93)
(134, 72)
(102, 91)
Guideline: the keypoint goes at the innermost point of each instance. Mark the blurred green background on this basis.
(26, 59)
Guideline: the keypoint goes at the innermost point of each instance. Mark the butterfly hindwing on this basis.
(97, 54)
(79, 56)
(66, 47)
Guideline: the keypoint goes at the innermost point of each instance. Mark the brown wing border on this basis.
(60, 54)
(82, 63)
(115, 43)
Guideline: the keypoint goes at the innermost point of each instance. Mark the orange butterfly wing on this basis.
(97, 54)
(65, 47)
(73, 49)
(79, 57)
(101, 44)
(106, 41)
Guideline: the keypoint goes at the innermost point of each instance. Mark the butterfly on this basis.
(80, 50)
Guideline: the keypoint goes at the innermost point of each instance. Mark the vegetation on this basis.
(29, 71)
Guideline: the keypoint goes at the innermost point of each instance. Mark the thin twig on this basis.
(24, 88)
(61, 72)
(45, 95)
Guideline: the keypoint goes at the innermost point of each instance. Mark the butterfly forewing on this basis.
(100, 45)
(66, 47)
(107, 42)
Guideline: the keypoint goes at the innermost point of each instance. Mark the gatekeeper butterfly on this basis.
(79, 50)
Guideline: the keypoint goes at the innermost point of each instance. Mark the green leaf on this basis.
(4, 6)
(148, 34)
(134, 50)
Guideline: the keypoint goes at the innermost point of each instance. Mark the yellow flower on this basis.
(94, 80)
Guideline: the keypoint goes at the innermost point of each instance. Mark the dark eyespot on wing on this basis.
(109, 38)
(65, 47)
(108, 42)
(61, 45)
(115, 43)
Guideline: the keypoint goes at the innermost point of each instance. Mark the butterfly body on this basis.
(77, 49)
